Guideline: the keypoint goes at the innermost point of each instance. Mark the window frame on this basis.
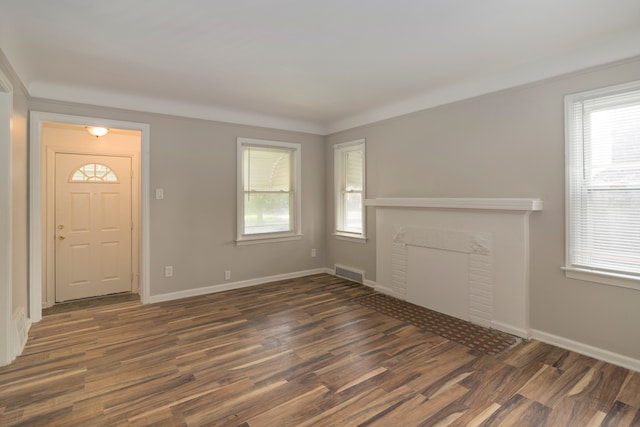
(295, 218)
(339, 178)
(612, 278)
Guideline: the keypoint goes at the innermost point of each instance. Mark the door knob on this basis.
(61, 237)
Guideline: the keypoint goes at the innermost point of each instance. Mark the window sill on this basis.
(267, 239)
(611, 279)
(350, 238)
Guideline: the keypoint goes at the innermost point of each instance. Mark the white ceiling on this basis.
(310, 65)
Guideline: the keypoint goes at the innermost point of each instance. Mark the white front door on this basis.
(93, 225)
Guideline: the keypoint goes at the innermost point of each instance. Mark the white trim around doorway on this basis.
(37, 217)
(7, 348)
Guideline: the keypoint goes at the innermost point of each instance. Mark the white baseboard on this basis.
(21, 326)
(384, 290)
(509, 329)
(370, 283)
(234, 285)
(587, 350)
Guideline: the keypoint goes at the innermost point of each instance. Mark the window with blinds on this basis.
(268, 189)
(349, 167)
(603, 183)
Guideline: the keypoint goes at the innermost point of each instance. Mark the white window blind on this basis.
(349, 164)
(603, 147)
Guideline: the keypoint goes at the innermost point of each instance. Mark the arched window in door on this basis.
(94, 172)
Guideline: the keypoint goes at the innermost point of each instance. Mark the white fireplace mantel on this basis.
(466, 257)
(505, 204)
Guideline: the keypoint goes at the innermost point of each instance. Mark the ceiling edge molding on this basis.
(147, 104)
(6, 66)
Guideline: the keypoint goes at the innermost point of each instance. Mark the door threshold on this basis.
(81, 304)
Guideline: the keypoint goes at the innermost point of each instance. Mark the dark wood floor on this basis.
(294, 353)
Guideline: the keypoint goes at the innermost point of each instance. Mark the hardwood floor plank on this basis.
(421, 410)
(573, 412)
(552, 384)
(290, 412)
(604, 385)
(630, 393)
(475, 416)
(518, 411)
(359, 409)
(299, 352)
(532, 351)
(622, 415)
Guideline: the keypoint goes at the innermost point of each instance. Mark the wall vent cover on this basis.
(350, 273)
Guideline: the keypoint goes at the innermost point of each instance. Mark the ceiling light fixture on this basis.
(97, 131)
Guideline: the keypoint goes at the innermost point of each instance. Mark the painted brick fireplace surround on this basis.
(467, 258)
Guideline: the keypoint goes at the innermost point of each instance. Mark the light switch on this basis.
(159, 193)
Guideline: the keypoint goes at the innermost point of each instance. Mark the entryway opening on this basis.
(92, 213)
(88, 196)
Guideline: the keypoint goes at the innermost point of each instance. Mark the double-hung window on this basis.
(268, 190)
(349, 168)
(603, 185)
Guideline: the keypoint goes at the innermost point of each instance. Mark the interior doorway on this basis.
(92, 212)
(62, 147)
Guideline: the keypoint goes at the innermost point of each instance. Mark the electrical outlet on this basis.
(227, 274)
(313, 252)
(159, 193)
(168, 270)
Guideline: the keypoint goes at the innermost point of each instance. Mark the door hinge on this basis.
(132, 277)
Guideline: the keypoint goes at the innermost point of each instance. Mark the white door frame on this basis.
(7, 345)
(37, 217)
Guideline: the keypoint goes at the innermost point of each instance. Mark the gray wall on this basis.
(193, 227)
(505, 144)
(19, 188)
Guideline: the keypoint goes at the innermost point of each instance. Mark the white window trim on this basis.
(338, 149)
(349, 238)
(604, 278)
(611, 279)
(296, 233)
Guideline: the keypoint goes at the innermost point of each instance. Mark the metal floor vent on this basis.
(350, 273)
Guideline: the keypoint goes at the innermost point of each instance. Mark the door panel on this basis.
(93, 226)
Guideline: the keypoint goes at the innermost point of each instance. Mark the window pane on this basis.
(353, 164)
(267, 169)
(353, 212)
(94, 172)
(613, 155)
(266, 212)
(349, 182)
